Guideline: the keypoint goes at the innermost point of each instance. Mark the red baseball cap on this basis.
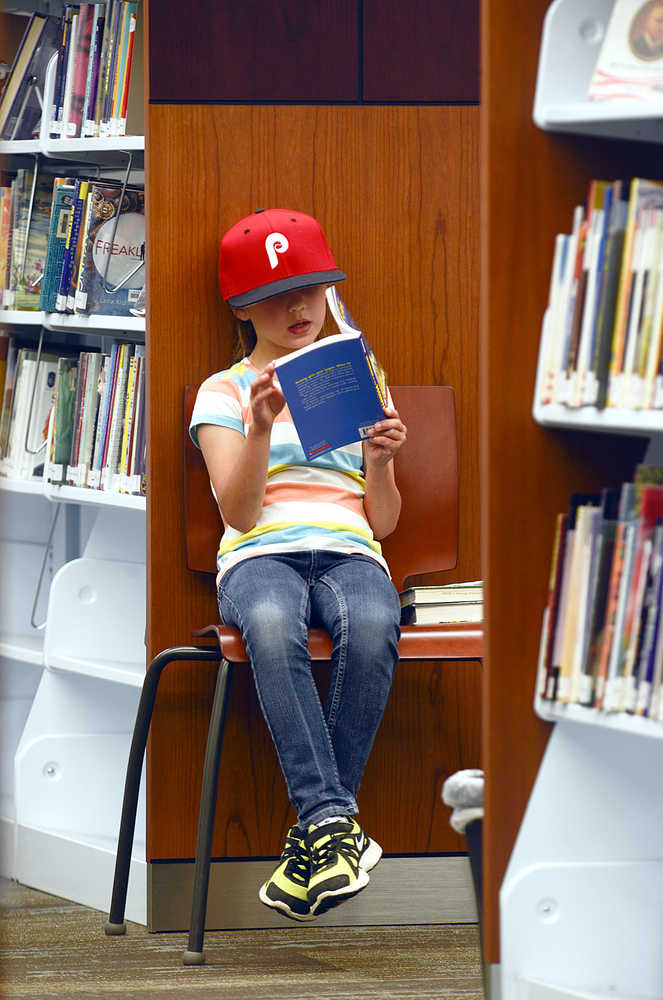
(272, 251)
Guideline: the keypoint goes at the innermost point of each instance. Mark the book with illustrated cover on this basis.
(119, 255)
(29, 245)
(630, 61)
(335, 388)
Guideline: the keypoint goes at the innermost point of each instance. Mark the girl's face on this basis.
(287, 321)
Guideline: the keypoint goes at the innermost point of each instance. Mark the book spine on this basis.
(80, 195)
(81, 63)
(122, 120)
(89, 124)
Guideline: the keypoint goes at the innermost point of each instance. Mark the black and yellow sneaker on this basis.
(286, 889)
(341, 856)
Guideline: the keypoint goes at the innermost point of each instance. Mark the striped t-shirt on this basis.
(317, 504)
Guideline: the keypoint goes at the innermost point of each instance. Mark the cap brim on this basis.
(285, 285)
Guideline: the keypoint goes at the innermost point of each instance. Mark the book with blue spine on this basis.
(61, 212)
(335, 388)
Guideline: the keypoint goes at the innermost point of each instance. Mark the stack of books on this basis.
(454, 603)
(602, 640)
(602, 337)
(94, 43)
(85, 426)
(84, 253)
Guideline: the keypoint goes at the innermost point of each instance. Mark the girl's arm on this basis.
(382, 501)
(237, 465)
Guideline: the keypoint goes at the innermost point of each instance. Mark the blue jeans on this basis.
(272, 600)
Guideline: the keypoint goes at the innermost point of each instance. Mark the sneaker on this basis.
(287, 887)
(341, 856)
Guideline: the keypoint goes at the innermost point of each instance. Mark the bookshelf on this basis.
(572, 845)
(72, 622)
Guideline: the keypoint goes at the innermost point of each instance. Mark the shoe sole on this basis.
(371, 856)
(282, 907)
(334, 897)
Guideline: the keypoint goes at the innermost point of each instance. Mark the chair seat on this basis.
(418, 642)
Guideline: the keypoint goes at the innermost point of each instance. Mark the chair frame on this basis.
(435, 642)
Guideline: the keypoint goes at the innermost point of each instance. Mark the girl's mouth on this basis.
(302, 326)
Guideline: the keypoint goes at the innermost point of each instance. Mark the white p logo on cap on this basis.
(275, 244)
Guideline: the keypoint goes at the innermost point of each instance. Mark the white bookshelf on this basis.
(69, 736)
(581, 916)
(572, 34)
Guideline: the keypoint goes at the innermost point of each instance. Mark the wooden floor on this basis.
(52, 948)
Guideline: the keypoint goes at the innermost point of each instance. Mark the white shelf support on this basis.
(572, 34)
(581, 906)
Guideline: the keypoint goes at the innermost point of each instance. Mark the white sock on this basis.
(331, 819)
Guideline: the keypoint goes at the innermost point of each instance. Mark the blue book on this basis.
(335, 388)
(61, 212)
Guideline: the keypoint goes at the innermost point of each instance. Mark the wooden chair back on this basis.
(426, 539)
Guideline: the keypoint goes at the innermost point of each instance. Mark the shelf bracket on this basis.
(47, 551)
(110, 291)
(33, 84)
(26, 447)
(35, 174)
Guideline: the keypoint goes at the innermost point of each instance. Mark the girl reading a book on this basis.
(300, 548)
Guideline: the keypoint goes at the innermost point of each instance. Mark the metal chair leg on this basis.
(194, 954)
(115, 923)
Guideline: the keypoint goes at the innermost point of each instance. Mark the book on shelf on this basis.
(95, 54)
(60, 431)
(112, 251)
(61, 212)
(79, 70)
(602, 335)
(335, 388)
(29, 239)
(72, 242)
(629, 65)
(601, 644)
(30, 404)
(22, 95)
(46, 273)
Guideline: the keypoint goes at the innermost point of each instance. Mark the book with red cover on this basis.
(83, 41)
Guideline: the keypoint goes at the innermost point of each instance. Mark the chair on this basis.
(425, 541)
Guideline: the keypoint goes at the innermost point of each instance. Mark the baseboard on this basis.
(432, 890)
(78, 871)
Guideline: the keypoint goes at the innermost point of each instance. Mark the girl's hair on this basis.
(244, 340)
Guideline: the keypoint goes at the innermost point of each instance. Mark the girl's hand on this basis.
(267, 400)
(386, 437)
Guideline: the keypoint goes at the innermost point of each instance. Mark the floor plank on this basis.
(50, 947)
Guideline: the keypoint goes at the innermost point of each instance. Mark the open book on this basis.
(335, 388)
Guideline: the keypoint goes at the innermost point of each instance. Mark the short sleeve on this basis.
(218, 402)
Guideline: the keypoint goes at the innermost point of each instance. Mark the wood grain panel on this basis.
(424, 50)
(406, 233)
(530, 183)
(296, 50)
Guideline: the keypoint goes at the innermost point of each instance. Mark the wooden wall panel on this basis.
(404, 228)
(296, 50)
(425, 50)
(531, 181)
